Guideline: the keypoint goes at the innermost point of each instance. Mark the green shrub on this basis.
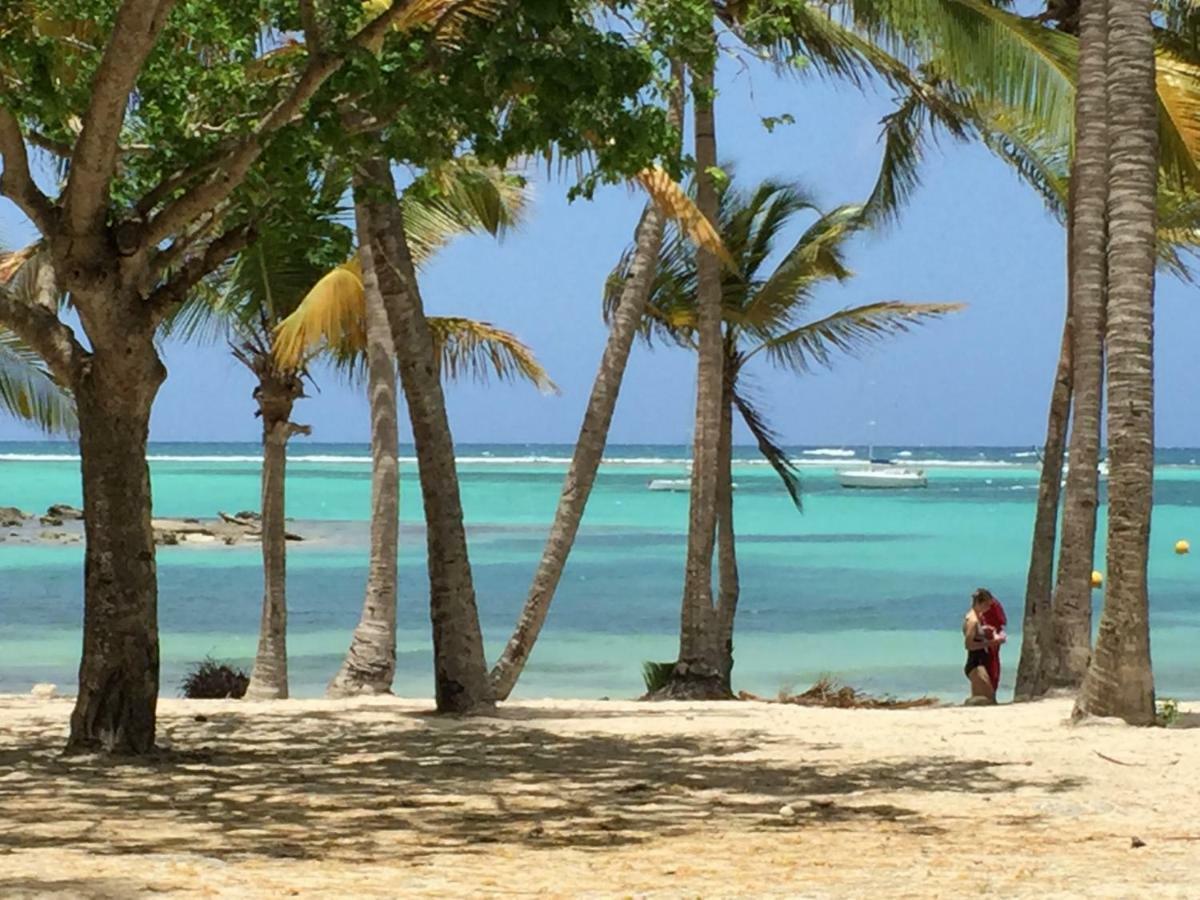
(656, 675)
(1168, 711)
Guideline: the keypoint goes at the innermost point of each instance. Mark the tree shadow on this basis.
(328, 785)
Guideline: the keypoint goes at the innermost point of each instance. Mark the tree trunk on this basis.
(593, 434)
(370, 664)
(276, 394)
(1072, 610)
(697, 672)
(460, 673)
(1035, 639)
(1120, 681)
(727, 565)
(588, 453)
(118, 675)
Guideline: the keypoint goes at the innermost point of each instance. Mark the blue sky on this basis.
(973, 233)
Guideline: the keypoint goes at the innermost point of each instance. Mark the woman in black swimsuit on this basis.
(977, 638)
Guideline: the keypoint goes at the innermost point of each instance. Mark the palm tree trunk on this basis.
(588, 453)
(1072, 610)
(460, 673)
(370, 664)
(275, 396)
(1120, 681)
(697, 671)
(727, 565)
(115, 708)
(1031, 671)
(593, 434)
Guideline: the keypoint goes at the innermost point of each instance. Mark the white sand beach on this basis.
(590, 798)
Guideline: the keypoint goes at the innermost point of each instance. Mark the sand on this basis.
(589, 798)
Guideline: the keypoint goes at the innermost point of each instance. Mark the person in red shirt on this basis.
(983, 633)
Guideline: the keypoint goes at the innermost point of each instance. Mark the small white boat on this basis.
(671, 484)
(883, 475)
(682, 485)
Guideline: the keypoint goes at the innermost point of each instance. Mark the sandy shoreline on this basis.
(568, 798)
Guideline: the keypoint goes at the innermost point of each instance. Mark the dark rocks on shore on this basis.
(229, 530)
(11, 517)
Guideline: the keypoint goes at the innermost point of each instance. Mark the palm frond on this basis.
(332, 314)
(467, 348)
(29, 392)
(817, 256)
(847, 331)
(678, 206)
(1178, 83)
(769, 444)
(461, 197)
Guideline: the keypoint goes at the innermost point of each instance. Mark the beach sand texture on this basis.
(376, 797)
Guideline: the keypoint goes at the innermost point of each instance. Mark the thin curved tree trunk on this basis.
(370, 664)
(1072, 610)
(116, 706)
(460, 673)
(1039, 584)
(727, 565)
(593, 434)
(1120, 681)
(697, 671)
(276, 394)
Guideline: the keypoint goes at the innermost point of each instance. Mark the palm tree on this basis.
(343, 313)
(625, 321)
(1120, 681)
(28, 390)
(1072, 603)
(764, 316)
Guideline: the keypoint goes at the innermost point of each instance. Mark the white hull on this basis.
(671, 484)
(681, 485)
(883, 477)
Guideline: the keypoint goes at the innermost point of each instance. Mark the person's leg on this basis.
(981, 684)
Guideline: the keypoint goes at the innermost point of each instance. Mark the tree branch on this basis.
(312, 27)
(16, 183)
(233, 167)
(135, 31)
(175, 289)
(39, 327)
(58, 148)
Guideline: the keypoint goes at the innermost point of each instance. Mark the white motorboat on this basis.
(876, 474)
(682, 485)
(671, 484)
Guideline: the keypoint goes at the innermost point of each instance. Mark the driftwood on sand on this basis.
(828, 692)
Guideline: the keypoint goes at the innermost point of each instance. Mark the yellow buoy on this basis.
(1182, 547)
(1097, 579)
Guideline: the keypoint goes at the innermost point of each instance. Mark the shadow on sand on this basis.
(325, 785)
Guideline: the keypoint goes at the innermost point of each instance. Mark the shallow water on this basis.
(869, 586)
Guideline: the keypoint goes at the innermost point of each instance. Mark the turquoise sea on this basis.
(869, 586)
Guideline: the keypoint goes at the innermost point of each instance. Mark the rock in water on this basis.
(44, 691)
(11, 517)
(52, 521)
(63, 511)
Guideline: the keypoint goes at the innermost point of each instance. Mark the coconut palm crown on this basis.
(767, 311)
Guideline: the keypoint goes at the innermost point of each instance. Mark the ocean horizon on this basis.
(869, 587)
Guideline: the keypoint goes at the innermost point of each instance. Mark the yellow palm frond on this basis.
(332, 314)
(449, 17)
(470, 348)
(676, 204)
(1179, 103)
(12, 261)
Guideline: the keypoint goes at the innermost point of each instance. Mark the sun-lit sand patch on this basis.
(561, 798)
